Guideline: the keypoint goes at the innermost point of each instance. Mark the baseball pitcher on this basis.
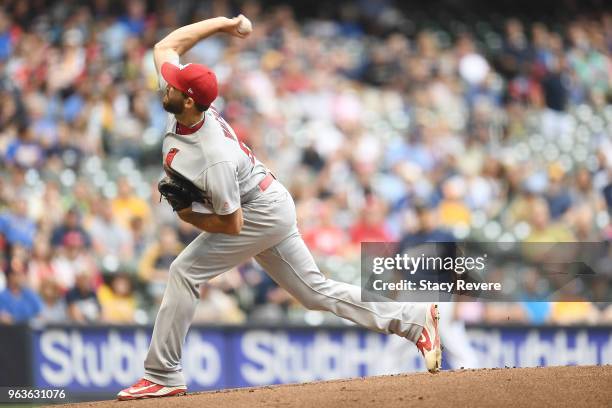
(214, 182)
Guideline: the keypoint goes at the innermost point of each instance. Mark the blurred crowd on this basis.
(502, 132)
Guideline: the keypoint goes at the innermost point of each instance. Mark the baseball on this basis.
(245, 26)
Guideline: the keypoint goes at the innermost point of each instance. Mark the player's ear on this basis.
(189, 102)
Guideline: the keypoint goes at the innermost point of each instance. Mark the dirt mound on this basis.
(513, 387)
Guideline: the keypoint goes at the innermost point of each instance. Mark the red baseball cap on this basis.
(195, 80)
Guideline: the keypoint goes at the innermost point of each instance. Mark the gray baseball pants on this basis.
(270, 235)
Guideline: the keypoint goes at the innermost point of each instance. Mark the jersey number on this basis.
(230, 135)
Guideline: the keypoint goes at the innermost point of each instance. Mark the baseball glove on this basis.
(178, 192)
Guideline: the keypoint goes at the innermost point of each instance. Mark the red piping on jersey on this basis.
(170, 156)
(186, 130)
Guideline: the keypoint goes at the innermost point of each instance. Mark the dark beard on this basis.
(175, 107)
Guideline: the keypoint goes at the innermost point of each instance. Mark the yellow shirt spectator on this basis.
(573, 312)
(127, 206)
(117, 300)
(453, 213)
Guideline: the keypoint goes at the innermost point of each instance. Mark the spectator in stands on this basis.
(583, 224)
(584, 192)
(65, 148)
(533, 291)
(16, 226)
(71, 226)
(5, 36)
(18, 303)
(217, 307)
(572, 312)
(371, 224)
(128, 205)
(41, 264)
(542, 229)
(82, 196)
(2, 281)
(83, 304)
(72, 259)
(155, 263)
(453, 210)
(557, 194)
(48, 208)
(426, 228)
(109, 237)
(587, 61)
(518, 209)
(117, 300)
(601, 292)
(54, 304)
(138, 236)
(24, 151)
(326, 237)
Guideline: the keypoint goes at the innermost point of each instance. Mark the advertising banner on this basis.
(104, 360)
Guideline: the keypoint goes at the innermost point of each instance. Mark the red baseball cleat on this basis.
(429, 342)
(147, 389)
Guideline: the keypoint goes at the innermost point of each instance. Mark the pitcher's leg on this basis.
(267, 221)
(162, 364)
(291, 265)
(206, 257)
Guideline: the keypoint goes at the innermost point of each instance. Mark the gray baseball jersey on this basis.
(213, 159)
(210, 155)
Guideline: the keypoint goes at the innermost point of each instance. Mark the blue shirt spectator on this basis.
(21, 306)
(18, 303)
(16, 227)
(5, 37)
(5, 45)
(537, 312)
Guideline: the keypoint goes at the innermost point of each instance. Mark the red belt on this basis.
(265, 183)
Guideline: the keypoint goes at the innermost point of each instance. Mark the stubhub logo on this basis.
(271, 357)
(109, 359)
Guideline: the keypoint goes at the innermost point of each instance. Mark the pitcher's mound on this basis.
(513, 387)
